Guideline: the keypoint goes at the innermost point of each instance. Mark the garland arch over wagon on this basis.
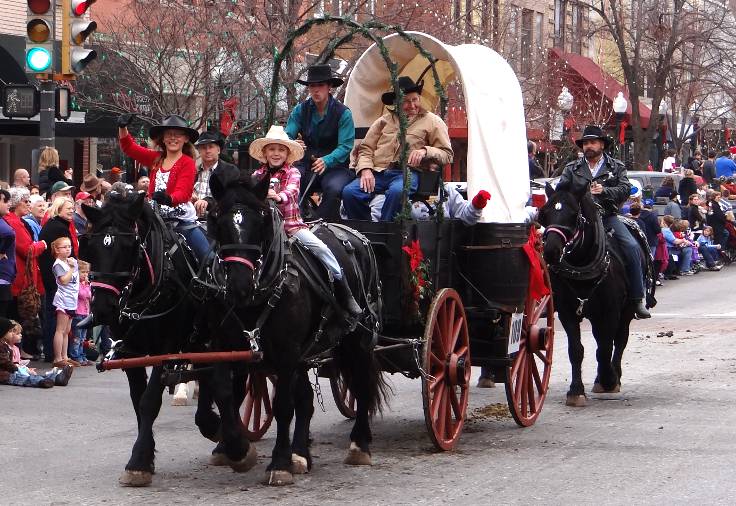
(481, 298)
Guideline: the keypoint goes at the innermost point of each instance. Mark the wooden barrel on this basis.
(492, 265)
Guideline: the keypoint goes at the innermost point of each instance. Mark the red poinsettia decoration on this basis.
(419, 275)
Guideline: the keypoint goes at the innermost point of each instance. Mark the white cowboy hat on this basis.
(276, 135)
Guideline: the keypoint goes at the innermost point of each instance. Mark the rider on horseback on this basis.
(610, 188)
(277, 152)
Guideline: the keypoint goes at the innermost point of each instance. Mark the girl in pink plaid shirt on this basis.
(277, 152)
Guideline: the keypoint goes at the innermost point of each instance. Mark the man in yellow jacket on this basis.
(377, 165)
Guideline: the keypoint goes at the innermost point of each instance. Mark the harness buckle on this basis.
(254, 338)
(131, 316)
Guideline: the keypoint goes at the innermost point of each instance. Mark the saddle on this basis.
(650, 274)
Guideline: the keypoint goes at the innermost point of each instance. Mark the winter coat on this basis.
(612, 175)
(24, 246)
(7, 247)
(53, 229)
(686, 188)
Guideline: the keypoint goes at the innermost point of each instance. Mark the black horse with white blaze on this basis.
(144, 288)
(283, 298)
(589, 281)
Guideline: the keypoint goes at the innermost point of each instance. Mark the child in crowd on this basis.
(65, 301)
(15, 371)
(709, 250)
(77, 351)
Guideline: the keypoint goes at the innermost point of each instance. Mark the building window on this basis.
(560, 11)
(576, 44)
(512, 38)
(527, 41)
(539, 32)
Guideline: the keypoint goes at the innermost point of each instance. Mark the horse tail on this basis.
(361, 372)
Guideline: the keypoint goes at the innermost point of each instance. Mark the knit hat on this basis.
(5, 326)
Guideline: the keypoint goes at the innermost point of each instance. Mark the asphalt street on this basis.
(667, 438)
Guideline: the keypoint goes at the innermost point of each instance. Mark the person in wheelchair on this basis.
(377, 168)
(277, 153)
(172, 174)
(610, 187)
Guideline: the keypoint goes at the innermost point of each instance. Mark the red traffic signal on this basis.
(39, 6)
(79, 7)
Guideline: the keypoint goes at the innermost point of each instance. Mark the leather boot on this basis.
(345, 297)
(640, 310)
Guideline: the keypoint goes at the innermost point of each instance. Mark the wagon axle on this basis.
(455, 369)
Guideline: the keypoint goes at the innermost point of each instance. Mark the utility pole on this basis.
(47, 123)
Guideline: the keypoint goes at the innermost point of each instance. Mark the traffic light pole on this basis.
(47, 125)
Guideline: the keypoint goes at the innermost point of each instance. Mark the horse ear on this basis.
(92, 213)
(260, 187)
(136, 209)
(548, 190)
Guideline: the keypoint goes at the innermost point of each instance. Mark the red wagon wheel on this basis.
(527, 378)
(257, 407)
(344, 398)
(447, 364)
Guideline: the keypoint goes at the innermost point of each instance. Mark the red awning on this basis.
(591, 74)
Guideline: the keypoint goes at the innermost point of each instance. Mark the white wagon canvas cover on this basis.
(497, 157)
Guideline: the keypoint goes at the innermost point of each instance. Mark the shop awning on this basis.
(575, 71)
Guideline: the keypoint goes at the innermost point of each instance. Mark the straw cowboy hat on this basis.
(276, 135)
(174, 122)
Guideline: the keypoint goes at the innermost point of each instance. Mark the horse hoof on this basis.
(181, 396)
(357, 457)
(486, 383)
(299, 464)
(598, 389)
(135, 478)
(576, 401)
(277, 478)
(219, 459)
(246, 463)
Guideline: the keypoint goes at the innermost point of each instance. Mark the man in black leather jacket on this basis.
(610, 188)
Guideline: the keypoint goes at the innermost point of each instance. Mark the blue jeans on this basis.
(196, 239)
(710, 255)
(632, 256)
(388, 182)
(76, 346)
(32, 380)
(684, 258)
(331, 182)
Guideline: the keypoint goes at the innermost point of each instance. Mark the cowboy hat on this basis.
(593, 132)
(176, 122)
(320, 74)
(276, 135)
(90, 184)
(407, 85)
(210, 138)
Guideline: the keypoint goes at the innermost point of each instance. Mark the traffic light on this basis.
(39, 36)
(75, 57)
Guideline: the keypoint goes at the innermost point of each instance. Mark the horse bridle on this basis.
(569, 235)
(130, 276)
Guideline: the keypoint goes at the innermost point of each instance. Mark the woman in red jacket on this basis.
(172, 173)
(24, 247)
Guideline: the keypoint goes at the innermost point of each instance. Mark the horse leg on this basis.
(575, 352)
(605, 381)
(137, 380)
(206, 419)
(278, 471)
(139, 470)
(301, 458)
(241, 455)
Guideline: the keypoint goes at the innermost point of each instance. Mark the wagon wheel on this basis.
(344, 398)
(257, 407)
(446, 361)
(527, 378)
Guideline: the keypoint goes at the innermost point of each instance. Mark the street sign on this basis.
(20, 101)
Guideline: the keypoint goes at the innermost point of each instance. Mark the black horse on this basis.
(144, 289)
(588, 281)
(282, 296)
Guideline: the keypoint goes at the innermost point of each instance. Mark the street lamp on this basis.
(619, 107)
(564, 103)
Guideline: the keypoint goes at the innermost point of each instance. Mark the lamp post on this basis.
(564, 103)
(619, 107)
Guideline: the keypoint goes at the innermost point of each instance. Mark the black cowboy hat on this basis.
(176, 122)
(593, 132)
(407, 85)
(320, 74)
(211, 138)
